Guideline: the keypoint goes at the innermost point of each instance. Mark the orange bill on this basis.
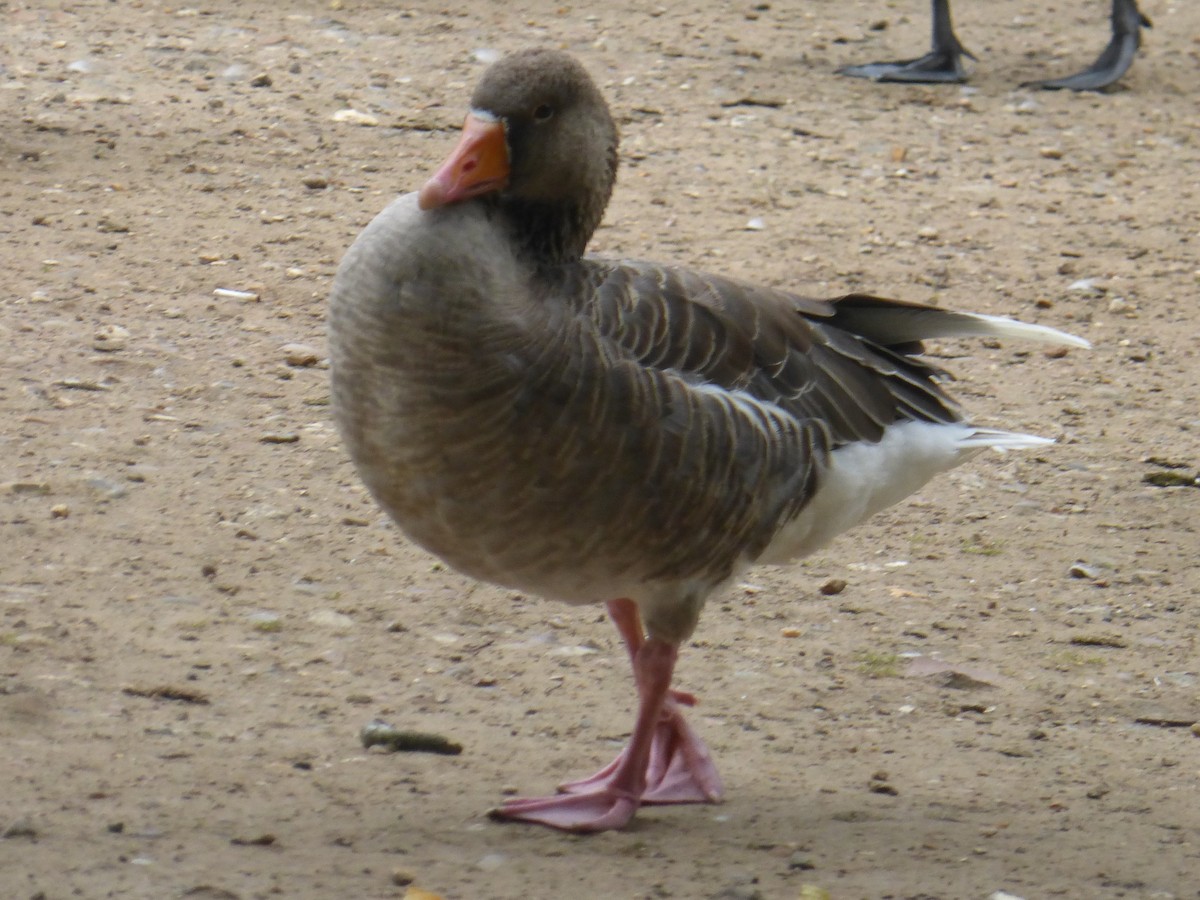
(478, 165)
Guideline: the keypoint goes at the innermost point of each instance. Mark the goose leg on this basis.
(941, 65)
(680, 768)
(1114, 61)
(612, 802)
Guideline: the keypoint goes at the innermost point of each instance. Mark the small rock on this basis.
(492, 861)
(1050, 153)
(315, 182)
(1083, 570)
(927, 233)
(26, 487)
(833, 586)
(276, 437)
(81, 384)
(262, 80)
(1086, 286)
(401, 877)
(800, 862)
(878, 784)
(300, 355)
(791, 632)
(328, 618)
(60, 511)
(260, 840)
(756, 224)
(21, 828)
(110, 226)
(354, 117)
(268, 622)
(231, 294)
(110, 338)
(378, 733)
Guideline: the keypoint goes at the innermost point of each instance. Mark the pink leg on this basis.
(612, 803)
(681, 769)
(665, 761)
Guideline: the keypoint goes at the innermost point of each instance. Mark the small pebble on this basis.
(833, 586)
(1083, 570)
(1051, 153)
(60, 511)
(1086, 286)
(110, 338)
(289, 437)
(878, 784)
(927, 233)
(354, 117)
(315, 182)
(267, 622)
(328, 618)
(21, 828)
(230, 294)
(300, 355)
(263, 80)
(401, 877)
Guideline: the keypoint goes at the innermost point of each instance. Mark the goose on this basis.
(943, 63)
(616, 431)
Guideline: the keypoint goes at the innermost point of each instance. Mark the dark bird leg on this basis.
(941, 65)
(1114, 61)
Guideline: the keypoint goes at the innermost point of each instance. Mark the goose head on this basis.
(540, 147)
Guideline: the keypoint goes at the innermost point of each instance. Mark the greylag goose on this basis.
(593, 430)
(943, 63)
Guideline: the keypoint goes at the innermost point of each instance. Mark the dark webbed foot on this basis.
(941, 65)
(1114, 61)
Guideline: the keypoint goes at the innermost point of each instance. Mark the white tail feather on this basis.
(1001, 440)
(998, 326)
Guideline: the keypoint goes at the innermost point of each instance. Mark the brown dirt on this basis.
(161, 549)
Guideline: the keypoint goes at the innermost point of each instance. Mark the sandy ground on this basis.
(199, 608)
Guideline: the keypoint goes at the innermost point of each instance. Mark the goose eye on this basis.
(543, 112)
